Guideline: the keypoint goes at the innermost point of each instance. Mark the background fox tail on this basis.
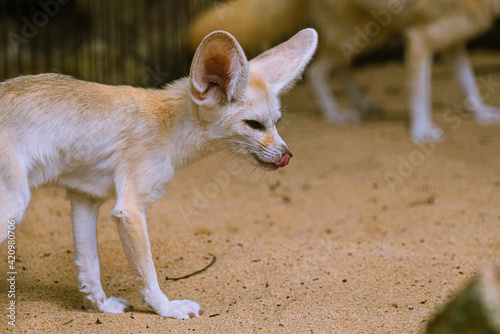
(256, 24)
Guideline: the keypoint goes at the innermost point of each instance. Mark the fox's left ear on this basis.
(219, 70)
(280, 66)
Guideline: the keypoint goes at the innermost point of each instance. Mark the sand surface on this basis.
(364, 231)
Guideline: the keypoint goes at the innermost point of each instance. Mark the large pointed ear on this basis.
(280, 66)
(219, 70)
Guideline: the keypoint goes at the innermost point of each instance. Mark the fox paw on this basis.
(488, 115)
(111, 305)
(181, 309)
(343, 118)
(427, 134)
(368, 107)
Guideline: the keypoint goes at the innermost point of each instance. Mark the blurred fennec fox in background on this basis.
(349, 28)
(102, 141)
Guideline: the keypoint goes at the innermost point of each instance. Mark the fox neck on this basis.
(188, 139)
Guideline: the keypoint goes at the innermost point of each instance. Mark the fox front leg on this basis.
(133, 233)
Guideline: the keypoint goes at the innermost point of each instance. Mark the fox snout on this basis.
(287, 155)
(273, 157)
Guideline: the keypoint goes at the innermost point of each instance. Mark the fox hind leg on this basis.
(464, 75)
(364, 105)
(419, 63)
(318, 75)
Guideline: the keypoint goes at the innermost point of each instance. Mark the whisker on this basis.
(253, 170)
(263, 173)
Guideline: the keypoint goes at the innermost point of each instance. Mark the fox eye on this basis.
(255, 124)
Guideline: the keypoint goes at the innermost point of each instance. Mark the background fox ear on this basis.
(280, 66)
(219, 70)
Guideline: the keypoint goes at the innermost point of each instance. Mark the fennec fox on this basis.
(349, 28)
(102, 141)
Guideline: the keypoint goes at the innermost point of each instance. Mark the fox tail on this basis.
(256, 24)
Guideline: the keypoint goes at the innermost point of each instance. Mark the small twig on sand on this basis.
(194, 273)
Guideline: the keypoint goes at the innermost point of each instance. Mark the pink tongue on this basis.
(283, 161)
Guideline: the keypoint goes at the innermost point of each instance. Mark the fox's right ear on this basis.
(219, 70)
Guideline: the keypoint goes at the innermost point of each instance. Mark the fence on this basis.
(139, 42)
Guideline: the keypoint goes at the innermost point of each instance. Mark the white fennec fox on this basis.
(350, 28)
(102, 141)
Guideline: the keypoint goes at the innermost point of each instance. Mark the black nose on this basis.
(287, 152)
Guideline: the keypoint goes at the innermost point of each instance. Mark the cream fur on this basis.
(101, 142)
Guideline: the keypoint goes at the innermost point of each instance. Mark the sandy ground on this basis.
(364, 232)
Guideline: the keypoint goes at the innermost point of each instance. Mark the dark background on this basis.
(118, 41)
